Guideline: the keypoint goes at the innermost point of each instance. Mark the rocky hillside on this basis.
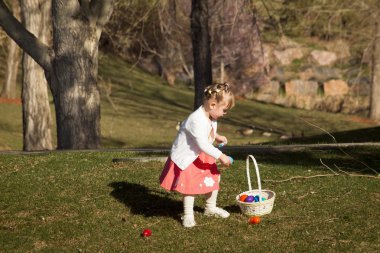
(305, 77)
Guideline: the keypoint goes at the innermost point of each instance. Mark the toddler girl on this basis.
(191, 168)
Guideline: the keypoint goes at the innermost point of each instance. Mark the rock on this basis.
(285, 43)
(323, 58)
(335, 88)
(360, 86)
(340, 48)
(268, 92)
(268, 55)
(285, 57)
(302, 102)
(329, 104)
(320, 73)
(278, 73)
(301, 88)
(169, 77)
(356, 104)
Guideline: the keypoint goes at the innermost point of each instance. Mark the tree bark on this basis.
(37, 119)
(13, 61)
(201, 49)
(70, 65)
(375, 87)
(77, 97)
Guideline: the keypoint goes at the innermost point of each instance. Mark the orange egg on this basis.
(254, 220)
(243, 197)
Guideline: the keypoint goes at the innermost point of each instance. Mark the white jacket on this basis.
(193, 138)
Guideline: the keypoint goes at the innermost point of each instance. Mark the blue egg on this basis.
(231, 160)
(249, 199)
(263, 199)
(257, 198)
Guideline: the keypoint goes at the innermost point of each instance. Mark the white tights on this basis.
(188, 202)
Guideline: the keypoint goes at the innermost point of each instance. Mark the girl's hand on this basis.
(225, 160)
(221, 139)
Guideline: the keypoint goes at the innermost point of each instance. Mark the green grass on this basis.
(146, 111)
(82, 202)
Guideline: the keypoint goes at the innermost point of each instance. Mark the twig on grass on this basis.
(344, 152)
(299, 177)
(322, 175)
(320, 159)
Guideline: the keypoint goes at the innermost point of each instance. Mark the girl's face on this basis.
(218, 110)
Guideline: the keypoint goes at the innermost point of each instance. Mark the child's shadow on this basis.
(142, 200)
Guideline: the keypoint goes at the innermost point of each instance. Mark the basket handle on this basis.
(257, 173)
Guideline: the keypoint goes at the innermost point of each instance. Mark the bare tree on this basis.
(375, 88)
(35, 101)
(13, 61)
(70, 65)
(201, 48)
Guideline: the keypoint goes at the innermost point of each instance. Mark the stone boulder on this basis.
(301, 88)
(268, 92)
(320, 73)
(329, 104)
(323, 58)
(335, 88)
(301, 101)
(285, 42)
(287, 56)
(360, 86)
(279, 73)
(340, 47)
(356, 104)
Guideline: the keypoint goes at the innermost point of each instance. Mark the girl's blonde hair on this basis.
(219, 92)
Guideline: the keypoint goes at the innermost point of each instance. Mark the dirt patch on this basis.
(16, 101)
(362, 120)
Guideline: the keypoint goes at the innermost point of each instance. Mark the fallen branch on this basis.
(299, 177)
(344, 152)
(334, 173)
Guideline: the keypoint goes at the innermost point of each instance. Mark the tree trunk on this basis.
(201, 49)
(77, 99)
(35, 101)
(241, 30)
(375, 88)
(13, 61)
(70, 65)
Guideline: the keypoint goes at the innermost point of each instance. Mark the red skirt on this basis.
(200, 177)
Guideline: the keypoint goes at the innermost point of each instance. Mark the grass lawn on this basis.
(83, 202)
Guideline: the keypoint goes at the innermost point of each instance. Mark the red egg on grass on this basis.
(254, 220)
(146, 233)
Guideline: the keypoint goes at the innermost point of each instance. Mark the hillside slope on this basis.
(140, 110)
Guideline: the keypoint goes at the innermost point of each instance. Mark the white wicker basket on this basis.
(256, 208)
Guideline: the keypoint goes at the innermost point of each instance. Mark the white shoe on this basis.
(217, 212)
(188, 221)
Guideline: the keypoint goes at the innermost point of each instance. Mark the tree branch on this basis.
(101, 10)
(26, 40)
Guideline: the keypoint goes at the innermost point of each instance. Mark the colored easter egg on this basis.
(263, 199)
(249, 199)
(254, 220)
(243, 197)
(231, 160)
(146, 233)
(257, 198)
